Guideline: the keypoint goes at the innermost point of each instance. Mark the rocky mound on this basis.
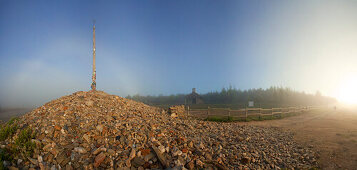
(95, 130)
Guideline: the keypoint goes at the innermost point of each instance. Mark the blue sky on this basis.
(168, 47)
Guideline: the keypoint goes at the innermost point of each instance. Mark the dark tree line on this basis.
(274, 96)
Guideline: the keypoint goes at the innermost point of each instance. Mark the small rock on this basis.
(199, 163)
(89, 103)
(60, 158)
(132, 154)
(86, 138)
(58, 127)
(149, 156)
(117, 138)
(111, 152)
(39, 158)
(33, 161)
(201, 146)
(100, 128)
(100, 149)
(173, 115)
(190, 165)
(69, 167)
(42, 166)
(177, 153)
(80, 150)
(19, 161)
(137, 161)
(245, 160)
(208, 156)
(161, 149)
(99, 159)
(145, 152)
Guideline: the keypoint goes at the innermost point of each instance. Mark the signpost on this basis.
(251, 104)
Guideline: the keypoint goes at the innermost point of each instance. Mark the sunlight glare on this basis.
(348, 90)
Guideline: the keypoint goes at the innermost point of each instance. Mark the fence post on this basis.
(207, 112)
(246, 113)
(188, 111)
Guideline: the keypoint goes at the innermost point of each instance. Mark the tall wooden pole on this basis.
(93, 86)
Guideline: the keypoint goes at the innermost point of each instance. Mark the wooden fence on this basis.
(245, 112)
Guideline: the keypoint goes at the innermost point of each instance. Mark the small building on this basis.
(193, 98)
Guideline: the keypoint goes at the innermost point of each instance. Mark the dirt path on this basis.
(333, 134)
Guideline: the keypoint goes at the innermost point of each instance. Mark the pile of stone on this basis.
(178, 110)
(95, 130)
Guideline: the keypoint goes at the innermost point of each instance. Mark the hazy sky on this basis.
(165, 47)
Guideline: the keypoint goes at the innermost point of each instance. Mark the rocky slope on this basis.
(95, 130)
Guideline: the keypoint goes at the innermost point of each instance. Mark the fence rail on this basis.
(246, 112)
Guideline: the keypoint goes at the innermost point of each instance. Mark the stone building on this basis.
(193, 98)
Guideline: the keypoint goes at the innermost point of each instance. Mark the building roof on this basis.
(193, 95)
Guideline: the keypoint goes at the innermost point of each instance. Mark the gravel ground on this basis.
(95, 130)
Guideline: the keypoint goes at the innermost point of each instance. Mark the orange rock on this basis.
(65, 108)
(219, 160)
(99, 159)
(105, 130)
(55, 135)
(58, 127)
(145, 152)
(184, 150)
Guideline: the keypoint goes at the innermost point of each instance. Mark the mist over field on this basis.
(170, 47)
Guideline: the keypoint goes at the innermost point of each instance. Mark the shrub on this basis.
(23, 143)
(8, 129)
(4, 156)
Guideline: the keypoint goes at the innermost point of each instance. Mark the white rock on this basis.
(89, 103)
(39, 158)
(80, 150)
(161, 149)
